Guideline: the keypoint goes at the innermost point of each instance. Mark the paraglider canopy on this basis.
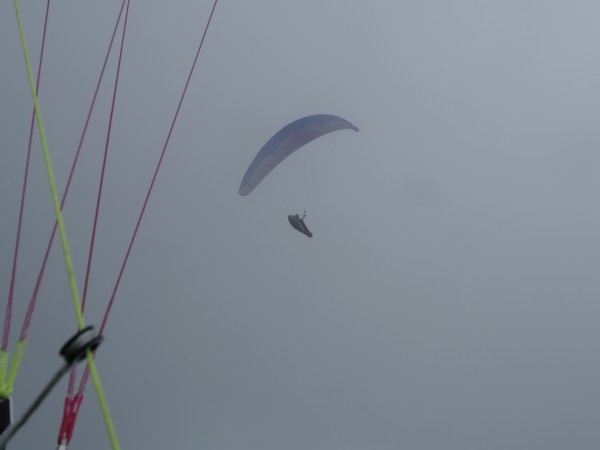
(287, 140)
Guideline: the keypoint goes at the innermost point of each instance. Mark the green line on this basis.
(108, 423)
(7, 384)
(4, 391)
(63, 236)
(15, 363)
(55, 201)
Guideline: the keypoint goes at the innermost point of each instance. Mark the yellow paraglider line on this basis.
(63, 237)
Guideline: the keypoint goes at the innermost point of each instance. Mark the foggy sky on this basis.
(449, 296)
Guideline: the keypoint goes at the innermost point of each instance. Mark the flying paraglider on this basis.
(297, 223)
(286, 141)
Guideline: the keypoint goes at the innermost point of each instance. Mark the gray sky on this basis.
(449, 297)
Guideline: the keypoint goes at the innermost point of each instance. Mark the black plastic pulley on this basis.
(76, 347)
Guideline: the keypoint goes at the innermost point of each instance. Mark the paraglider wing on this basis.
(287, 140)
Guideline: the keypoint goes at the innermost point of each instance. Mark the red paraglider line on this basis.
(8, 315)
(103, 171)
(73, 374)
(33, 300)
(137, 226)
(72, 377)
(149, 192)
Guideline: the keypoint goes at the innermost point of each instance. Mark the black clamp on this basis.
(76, 348)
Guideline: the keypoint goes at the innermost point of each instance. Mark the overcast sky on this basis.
(449, 298)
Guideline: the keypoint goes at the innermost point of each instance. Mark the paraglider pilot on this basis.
(297, 223)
